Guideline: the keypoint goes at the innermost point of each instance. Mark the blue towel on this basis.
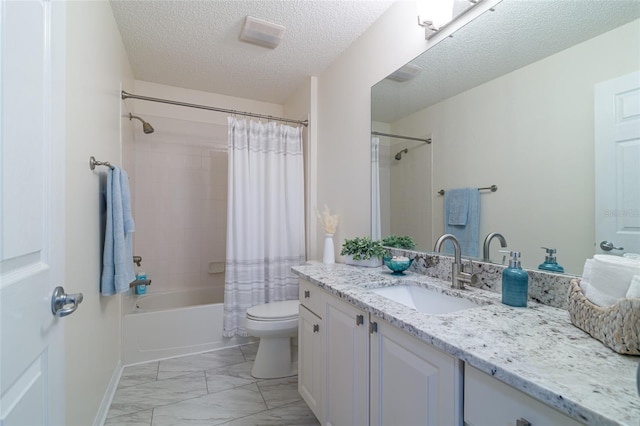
(468, 234)
(117, 259)
(456, 202)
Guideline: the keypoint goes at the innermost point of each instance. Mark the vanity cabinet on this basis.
(311, 365)
(412, 383)
(489, 402)
(347, 364)
(357, 369)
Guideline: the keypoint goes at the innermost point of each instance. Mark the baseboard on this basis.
(107, 399)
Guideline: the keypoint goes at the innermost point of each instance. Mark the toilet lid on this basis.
(274, 311)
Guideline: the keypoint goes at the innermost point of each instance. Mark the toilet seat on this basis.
(275, 311)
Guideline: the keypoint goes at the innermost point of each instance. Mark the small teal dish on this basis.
(397, 266)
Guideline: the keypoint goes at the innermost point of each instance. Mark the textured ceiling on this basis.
(517, 33)
(195, 45)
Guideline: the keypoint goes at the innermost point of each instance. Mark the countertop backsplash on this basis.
(544, 287)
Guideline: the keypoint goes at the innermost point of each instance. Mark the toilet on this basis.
(275, 324)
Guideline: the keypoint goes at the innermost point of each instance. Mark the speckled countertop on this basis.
(535, 349)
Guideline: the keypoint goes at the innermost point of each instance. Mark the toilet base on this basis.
(273, 359)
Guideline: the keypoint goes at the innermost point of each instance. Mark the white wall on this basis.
(531, 133)
(96, 67)
(344, 114)
(301, 106)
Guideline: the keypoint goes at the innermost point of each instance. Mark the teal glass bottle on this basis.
(515, 283)
(550, 263)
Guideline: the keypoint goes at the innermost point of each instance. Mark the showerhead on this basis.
(146, 127)
(399, 154)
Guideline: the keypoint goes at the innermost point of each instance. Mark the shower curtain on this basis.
(376, 231)
(265, 217)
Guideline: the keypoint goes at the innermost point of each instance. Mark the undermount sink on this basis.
(424, 300)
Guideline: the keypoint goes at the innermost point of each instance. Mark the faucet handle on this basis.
(468, 278)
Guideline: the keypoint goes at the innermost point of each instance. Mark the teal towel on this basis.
(467, 234)
(117, 257)
(456, 202)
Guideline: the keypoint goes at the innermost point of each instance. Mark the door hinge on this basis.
(316, 328)
(373, 327)
(359, 319)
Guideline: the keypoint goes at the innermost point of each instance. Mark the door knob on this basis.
(63, 304)
(608, 246)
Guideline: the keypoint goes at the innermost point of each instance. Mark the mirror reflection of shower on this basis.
(146, 127)
(399, 154)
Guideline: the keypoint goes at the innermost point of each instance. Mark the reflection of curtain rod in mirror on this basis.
(427, 140)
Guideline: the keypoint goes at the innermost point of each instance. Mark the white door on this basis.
(311, 370)
(32, 211)
(412, 383)
(617, 164)
(346, 389)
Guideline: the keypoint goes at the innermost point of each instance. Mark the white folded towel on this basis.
(586, 275)
(634, 288)
(610, 278)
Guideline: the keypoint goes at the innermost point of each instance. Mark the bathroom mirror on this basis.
(507, 101)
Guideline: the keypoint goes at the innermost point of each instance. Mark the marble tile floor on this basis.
(212, 388)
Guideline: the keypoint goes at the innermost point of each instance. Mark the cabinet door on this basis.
(489, 402)
(347, 363)
(311, 371)
(412, 383)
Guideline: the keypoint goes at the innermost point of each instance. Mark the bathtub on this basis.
(169, 324)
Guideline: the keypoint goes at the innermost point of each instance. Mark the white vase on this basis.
(328, 255)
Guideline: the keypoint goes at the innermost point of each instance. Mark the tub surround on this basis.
(535, 350)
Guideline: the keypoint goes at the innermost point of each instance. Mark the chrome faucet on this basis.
(487, 242)
(458, 277)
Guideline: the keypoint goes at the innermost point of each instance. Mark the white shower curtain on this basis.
(376, 226)
(265, 217)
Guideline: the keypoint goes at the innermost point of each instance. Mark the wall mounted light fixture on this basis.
(434, 15)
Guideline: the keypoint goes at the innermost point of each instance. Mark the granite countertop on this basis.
(535, 349)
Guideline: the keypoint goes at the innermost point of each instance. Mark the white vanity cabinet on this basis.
(311, 364)
(489, 402)
(347, 364)
(412, 383)
(356, 369)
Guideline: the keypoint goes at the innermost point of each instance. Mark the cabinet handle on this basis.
(307, 294)
(316, 328)
(359, 319)
(523, 422)
(373, 327)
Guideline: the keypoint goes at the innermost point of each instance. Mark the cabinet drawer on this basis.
(311, 296)
(489, 402)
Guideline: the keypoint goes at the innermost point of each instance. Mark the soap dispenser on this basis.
(550, 263)
(515, 282)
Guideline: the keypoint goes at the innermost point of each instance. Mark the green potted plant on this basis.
(395, 241)
(362, 251)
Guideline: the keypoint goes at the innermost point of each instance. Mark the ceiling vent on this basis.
(262, 33)
(405, 73)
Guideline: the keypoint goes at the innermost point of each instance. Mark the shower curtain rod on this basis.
(428, 140)
(126, 95)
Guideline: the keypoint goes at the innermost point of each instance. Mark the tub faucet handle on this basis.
(137, 260)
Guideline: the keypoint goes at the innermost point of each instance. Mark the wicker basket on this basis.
(617, 326)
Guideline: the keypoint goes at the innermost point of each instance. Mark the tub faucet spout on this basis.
(487, 242)
(139, 282)
(458, 277)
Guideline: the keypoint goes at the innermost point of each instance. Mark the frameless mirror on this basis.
(507, 101)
